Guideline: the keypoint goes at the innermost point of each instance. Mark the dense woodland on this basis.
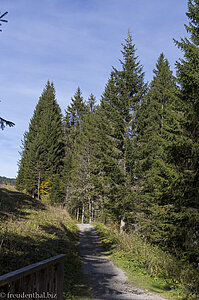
(133, 157)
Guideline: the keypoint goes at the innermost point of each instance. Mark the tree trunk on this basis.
(78, 213)
(90, 211)
(38, 184)
(82, 213)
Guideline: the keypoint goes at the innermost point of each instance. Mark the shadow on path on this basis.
(106, 280)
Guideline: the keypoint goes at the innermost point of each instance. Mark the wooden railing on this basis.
(42, 280)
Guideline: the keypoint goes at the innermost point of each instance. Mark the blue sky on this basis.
(74, 43)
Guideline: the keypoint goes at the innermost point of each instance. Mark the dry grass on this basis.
(162, 272)
(31, 231)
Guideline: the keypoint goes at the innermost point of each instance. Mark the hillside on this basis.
(5, 180)
(31, 231)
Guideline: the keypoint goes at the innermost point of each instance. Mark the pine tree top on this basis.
(163, 76)
(77, 107)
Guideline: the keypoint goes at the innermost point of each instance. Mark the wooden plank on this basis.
(43, 281)
(28, 286)
(60, 280)
(12, 276)
(37, 281)
(52, 278)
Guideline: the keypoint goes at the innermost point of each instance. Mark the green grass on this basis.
(148, 267)
(31, 231)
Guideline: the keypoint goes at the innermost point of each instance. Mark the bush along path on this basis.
(148, 266)
(106, 280)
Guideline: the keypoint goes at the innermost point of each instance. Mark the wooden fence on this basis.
(42, 280)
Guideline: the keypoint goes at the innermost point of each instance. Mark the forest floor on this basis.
(106, 280)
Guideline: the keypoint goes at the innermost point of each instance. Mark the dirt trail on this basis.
(107, 281)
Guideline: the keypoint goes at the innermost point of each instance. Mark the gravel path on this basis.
(107, 281)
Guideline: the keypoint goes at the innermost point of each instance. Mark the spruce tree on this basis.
(72, 127)
(76, 110)
(43, 146)
(161, 212)
(187, 151)
(120, 101)
(187, 74)
(72, 122)
(80, 189)
(159, 132)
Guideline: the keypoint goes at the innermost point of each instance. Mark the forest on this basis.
(132, 156)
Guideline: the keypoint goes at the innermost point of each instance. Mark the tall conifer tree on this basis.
(43, 144)
(187, 74)
(72, 127)
(159, 132)
(83, 167)
(119, 104)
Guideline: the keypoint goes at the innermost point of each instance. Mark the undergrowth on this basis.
(158, 271)
(31, 231)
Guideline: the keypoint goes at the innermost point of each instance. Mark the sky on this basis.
(74, 43)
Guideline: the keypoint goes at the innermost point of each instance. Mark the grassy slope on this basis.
(146, 266)
(31, 231)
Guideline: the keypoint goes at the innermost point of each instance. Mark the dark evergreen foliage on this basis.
(72, 125)
(120, 101)
(187, 74)
(42, 153)
(2, 18)
(159, 133)
(133, 157)
(4, 123)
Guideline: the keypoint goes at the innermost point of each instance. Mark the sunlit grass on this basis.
(149, 267)
(31, 231)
